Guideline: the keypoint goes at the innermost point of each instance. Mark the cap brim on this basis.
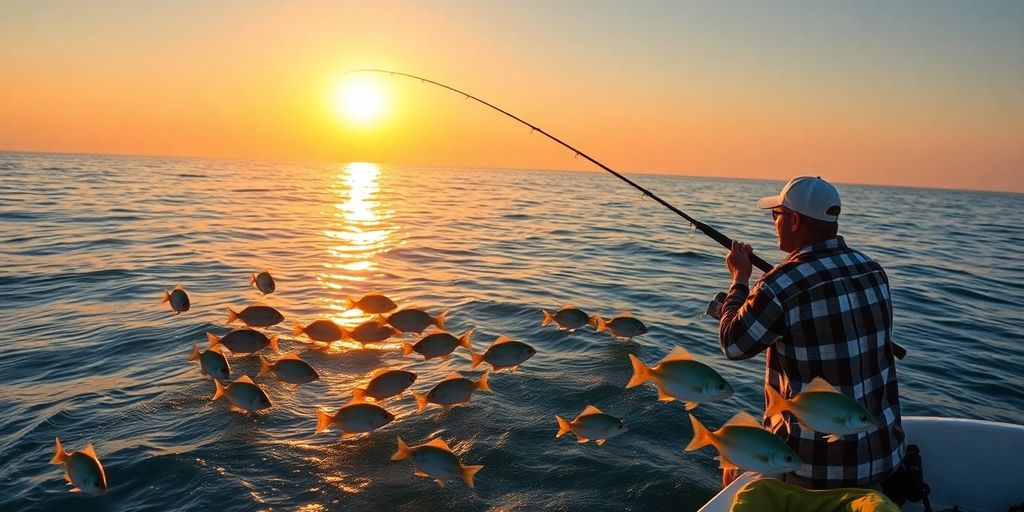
(769, 202)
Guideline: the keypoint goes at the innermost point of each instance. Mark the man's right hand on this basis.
(738, 262)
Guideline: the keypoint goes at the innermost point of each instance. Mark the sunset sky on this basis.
(922, 93)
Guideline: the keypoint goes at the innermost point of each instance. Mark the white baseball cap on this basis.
(807, 195)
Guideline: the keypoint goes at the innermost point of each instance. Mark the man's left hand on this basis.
(738, 262)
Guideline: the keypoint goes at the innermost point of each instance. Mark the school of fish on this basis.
(742, 442)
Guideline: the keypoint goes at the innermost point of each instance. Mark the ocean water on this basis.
(90, 354)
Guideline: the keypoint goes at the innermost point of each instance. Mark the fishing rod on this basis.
(707, 230)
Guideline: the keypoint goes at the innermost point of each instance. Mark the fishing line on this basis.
(707, 230)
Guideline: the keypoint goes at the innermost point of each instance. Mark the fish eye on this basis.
(789, 458)
(721, 386)
(864, 417)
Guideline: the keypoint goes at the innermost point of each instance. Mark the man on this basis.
(825, 311)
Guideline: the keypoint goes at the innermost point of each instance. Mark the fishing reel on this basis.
(714, 309)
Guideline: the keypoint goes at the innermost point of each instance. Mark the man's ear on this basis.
(797, 221)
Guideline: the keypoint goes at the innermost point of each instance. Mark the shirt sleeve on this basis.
(750, 321)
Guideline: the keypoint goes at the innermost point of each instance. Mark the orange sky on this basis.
(919, 93)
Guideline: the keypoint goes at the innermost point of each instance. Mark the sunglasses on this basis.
(778, 213)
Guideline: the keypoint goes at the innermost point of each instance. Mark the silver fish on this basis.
(504, 353)
(289, 368)
(256, 316)
(211, 362)
(178, 299)
(415, 320)
(436, 460)
(591, 424)
(82, 469)
(744, 444)
(822, 408)
(568, 318)
(622, 326)
(354, 418)
(454, 389)
(681, 377)
(264, 282)
(385, 384)
(438, 344)
(243, 394)
(243, 341)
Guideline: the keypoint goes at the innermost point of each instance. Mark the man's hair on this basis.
(820, 229)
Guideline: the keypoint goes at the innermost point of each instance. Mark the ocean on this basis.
(90, 354)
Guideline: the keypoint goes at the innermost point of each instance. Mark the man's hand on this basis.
(738, 262)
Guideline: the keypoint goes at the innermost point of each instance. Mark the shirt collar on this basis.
(825, 245)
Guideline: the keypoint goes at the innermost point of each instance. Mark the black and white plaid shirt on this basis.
(824, 312)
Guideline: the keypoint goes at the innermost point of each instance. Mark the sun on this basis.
(359, 101)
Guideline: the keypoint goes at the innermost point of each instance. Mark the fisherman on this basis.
(825, 311)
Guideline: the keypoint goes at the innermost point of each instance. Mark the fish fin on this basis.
(743, 419)
(832, 438)
(468, 472)
(404, 452)
(600, 441)
(502, 339)
(167, 297)
(464, 340)
(245, 378)
(290, 355)
(419, 472)
(220, 389)
(74, 489)
(67, 477)
(350, 302)
(598, 323)
(776, 402)
(453, 375)
(590, 409)
(820, 385)
(232, 315)
(265, 366)
(235, 408)
(421, 401)
(252, 278)
(691, 405)
(477, 359)
(214, 340)
(378, 372)
(701, 435)
(548, 318)
(581, 440)
(273, 343)
(60, 455)
(440, 482)
(437, 442)
(349, 435)
(482, 383)
(323, 420)
(663, 396)
(725, 463)
(439, 320)
(358, 395)
(407, 348)
(678, 354)
(641, 372)
(563, 426)
(624, 314)
(298, 329)
(90, 451)
(195, 353)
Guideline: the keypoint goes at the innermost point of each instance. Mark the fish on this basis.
(243, 394)
(354, 418)
(415, 320)
(243, 341)
(211, 362)
(434, 459)
(384, 384)
(742, 443)
(622, 326)
(454, 389)
(371, 331)
(822, 408)
(264, 282)
(591, 424)
(681, 377)
(256, 316)
(82, 469)
(372, 303)
(504, 353)
(568, 318)
(289, 368)
(178, 299)
(322, 330)
(438, 344)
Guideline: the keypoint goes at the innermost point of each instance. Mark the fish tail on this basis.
(253, 279)
(477, 358)
(220, 389)
(464, 339)
(548, 318)
(404, 452)
(641, 372)
(563, 426)
(273, 343)
(345, 334)
(232, 316)
(482, 383)
(350, 303)
(323, 420)
(598, 323)
(421, 401)
(468, 472)
(358, 395)
(264, 366)
(214, 340)
(167, 297)
(298, 329)
(701, 436)
(195, 352)
(60, 455)
(406, 348)
(439, 321)
(776, 402)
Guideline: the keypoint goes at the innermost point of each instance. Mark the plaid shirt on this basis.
(824, 312)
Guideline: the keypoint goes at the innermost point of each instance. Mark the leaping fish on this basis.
(354, 418)
(178, 299)
(822, 408)
(82, 469)
(622, 326)
(243, 394)
(743, 443)
(568, 318)
(454, 389)
(264, 282)
(211, 362)
(591, 424)
(504, 353)
(384, 384)
(256, 315)
(372, 303)
(436, 460)
(681, 377)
